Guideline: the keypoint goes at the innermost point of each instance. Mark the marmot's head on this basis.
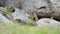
(12, 8)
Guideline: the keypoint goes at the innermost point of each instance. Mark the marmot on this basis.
(34, 16)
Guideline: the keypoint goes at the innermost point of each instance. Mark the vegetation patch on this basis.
(16, 28)
(5, 10)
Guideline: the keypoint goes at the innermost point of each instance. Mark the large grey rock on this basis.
(56, 8)
(20, 15)
(4, 19)
(38, 6)
(43, 8)
(48, 8)
(47, 21)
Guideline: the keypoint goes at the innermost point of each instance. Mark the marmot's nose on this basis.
(13, 10)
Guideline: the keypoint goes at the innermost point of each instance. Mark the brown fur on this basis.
(34, 16)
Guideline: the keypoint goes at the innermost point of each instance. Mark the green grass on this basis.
(16, 28)
(5, 10)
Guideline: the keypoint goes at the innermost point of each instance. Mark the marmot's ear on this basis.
(11, 6)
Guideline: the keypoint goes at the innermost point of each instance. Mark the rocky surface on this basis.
(47, 21)
(20, 15)
(4, 19)
(56, 8)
